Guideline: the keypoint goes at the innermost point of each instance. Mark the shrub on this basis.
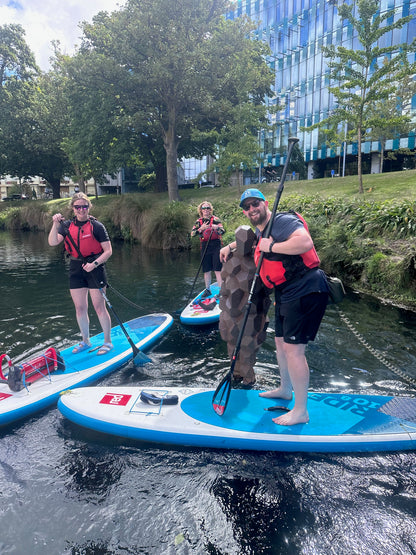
(167, 227)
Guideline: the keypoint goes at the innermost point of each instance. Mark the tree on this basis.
(93, 142)
(17, 62)
(237, 142)
(182, 67)
(47, 112)
(297, 163)
(368, 75)
(391, 116)
(18, 71)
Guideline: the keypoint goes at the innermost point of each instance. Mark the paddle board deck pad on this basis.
(338, 422)
(203, 310)
(82, 368)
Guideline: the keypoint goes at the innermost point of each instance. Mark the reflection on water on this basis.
(67, 490)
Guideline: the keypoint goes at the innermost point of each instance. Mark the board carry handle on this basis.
(152, 399)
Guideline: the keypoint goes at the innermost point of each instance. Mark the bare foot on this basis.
(291, 418)
(278, 393)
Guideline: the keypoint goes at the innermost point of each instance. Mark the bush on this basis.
(147, 182)
(123, 216)
(167, 227)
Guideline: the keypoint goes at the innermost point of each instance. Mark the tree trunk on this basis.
(360, 172)
(55, 183)
(79, 178)
(161, 179)
(170, 142)
(381, 156)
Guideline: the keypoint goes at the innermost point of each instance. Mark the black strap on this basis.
(76, 247)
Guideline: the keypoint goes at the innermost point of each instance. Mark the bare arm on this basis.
(104, 256)
(299, 242)
(55, 238)
(226, 251)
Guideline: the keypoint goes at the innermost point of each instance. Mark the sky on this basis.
(47, 20)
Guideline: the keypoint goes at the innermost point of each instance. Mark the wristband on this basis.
(96, 263)
(271, 246)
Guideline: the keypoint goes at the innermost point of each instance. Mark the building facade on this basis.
(295, 31)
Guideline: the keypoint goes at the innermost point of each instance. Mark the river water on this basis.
(64, 490)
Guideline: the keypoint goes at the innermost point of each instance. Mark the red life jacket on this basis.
(83, 237)
(206, 234)
(279, 269)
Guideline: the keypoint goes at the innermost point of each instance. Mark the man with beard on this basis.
(291, 267)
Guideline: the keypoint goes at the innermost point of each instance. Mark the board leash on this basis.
(372, 350)
(125, 299)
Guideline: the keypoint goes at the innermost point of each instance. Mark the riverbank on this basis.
(366, 240)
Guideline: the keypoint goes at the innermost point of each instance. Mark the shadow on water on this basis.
(67, 490)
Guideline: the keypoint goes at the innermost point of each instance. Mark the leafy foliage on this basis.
(365, 76)
(178, 68)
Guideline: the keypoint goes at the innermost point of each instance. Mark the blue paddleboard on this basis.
(82, 368)
(338, 422)
(203, 310)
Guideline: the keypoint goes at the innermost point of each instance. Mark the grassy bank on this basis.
(367, 240)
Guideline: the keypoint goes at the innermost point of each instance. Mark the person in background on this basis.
(209, 230)
(88, 245)
(291, 267)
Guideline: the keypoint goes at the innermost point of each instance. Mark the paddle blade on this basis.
(140, 359)
(222, 394)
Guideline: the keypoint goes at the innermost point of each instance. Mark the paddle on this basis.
(139, 358)
(222, 393)
(197, 274)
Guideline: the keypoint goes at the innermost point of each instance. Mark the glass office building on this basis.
(295, 31)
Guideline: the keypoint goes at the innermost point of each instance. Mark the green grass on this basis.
(385, 186)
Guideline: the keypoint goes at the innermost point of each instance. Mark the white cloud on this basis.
(47, 20)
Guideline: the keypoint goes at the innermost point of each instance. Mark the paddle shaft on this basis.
(226, 381)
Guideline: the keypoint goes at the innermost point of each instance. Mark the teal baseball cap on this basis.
(251, 193)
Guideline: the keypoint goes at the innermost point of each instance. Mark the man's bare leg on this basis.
(298, 370)
(284, 391)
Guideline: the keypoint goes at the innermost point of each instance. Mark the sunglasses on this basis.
(254, 203)
(81, 206)
(205, 207)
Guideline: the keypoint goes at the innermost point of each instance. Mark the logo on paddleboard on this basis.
(118, 399)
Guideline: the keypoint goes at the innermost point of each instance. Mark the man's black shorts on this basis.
(79, 278)
(298, 321)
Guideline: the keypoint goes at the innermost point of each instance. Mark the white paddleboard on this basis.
(338, 422)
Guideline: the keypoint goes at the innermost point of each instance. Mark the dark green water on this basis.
(64, 490)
